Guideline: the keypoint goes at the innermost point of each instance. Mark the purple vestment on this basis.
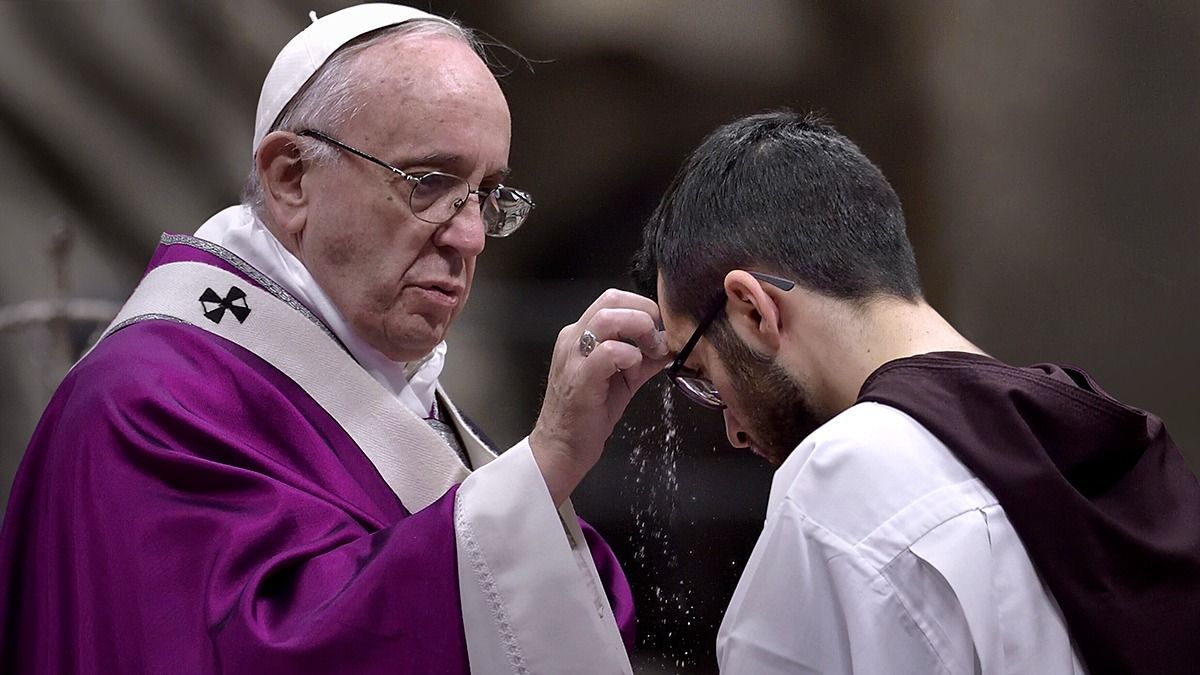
(185, 507)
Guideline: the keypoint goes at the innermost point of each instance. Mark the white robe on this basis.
(882, 553)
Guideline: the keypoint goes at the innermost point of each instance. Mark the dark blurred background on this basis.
(1048, 155)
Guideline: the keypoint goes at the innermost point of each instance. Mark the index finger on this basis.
(619, 299)
(632, 326)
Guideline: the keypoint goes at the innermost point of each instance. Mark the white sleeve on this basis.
(531, 598)
(807, 603)
(972, 585)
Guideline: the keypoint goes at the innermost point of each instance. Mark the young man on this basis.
(934, 510)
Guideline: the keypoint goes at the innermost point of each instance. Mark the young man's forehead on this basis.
(678, 329)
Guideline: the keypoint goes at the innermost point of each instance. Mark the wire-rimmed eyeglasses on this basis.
(697, 388)
(437, 196)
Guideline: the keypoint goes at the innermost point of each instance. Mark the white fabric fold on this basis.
(237, 230)
(961, 552)
(526, 613)
(411, 457)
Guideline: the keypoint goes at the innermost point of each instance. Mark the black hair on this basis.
(783, 193)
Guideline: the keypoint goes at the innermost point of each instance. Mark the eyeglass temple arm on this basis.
(719, 304)
(778, 282)
(355, 151)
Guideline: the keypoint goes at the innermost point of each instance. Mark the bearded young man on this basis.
(934, 510)
(255, 469)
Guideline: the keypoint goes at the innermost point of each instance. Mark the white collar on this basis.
(239, 231)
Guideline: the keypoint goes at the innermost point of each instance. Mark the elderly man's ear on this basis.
(280, 170)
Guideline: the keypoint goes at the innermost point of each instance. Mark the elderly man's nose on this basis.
(463, 232)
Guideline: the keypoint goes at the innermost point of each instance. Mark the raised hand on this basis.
(599, 363)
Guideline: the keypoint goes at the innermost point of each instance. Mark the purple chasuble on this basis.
(184, 507)
(1102, 499)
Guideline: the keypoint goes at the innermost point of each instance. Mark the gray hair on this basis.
(330, 98)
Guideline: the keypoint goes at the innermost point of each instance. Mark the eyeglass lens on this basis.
(504, 210)
(437, 197)
(699, 390)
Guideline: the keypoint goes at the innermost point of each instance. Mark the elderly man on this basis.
(935, 510)
(255, 470)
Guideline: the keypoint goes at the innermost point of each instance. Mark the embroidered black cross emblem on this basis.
(214, 305)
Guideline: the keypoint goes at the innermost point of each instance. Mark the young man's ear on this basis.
(753, 312)
(280, 170)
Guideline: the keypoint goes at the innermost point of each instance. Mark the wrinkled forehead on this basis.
(425, 87)
(427, 103)
(432, 67)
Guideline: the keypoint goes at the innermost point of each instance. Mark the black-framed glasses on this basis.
(700, 389)
(437, 196)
